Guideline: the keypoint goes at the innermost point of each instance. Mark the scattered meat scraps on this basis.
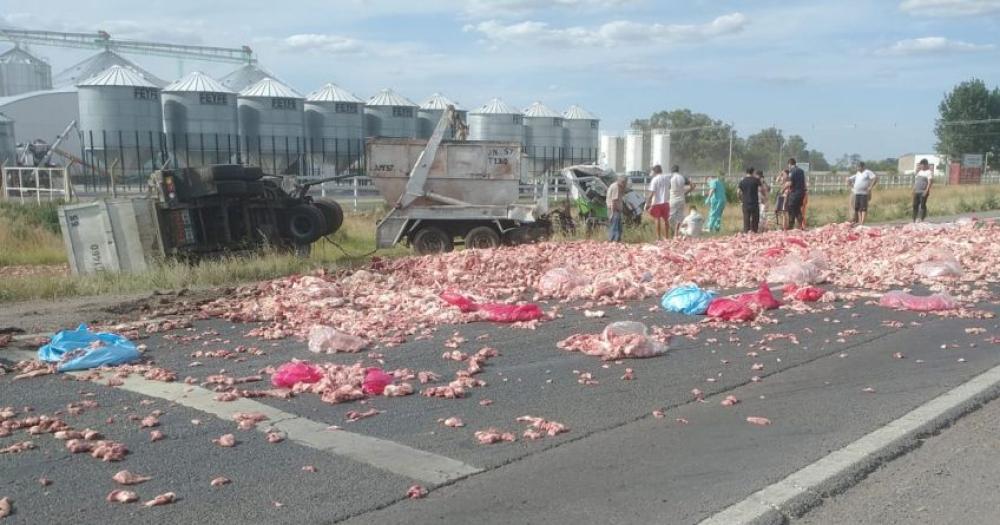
(122, 496)
(354, 415)
(453, 422)
(124, 477)
(109, 451)
(328, 340)
(225, 440)
(416, 492)
(757, 420)
(220, 481)
(540, 427)
(17, 447)
(162, 499)
(156, 435)
(491, 435)
(729, 401)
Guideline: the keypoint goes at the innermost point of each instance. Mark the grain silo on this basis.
(612, 156)
(272, 127)
(8, 147)
(22, 72)
(200, 121)
(96, 65)
(120, 121)
(635, 158)
(432, 110)
(495, 120)
(245, 77)
(389, 114)
(582, 134)
(543, 132)
(335, 129)
(659, 146)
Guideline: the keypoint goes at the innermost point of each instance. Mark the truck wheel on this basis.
(305, 223)
(333, 213)
(432, 240)
(482, 237)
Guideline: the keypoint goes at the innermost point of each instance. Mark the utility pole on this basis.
(732, 135)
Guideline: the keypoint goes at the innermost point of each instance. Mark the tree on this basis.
(968, 101)
(795, 148)
(817, 161)
(762, 150)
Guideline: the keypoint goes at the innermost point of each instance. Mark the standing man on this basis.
(765, 191)
(796, 188)
(922, 183)
(616, 207)
(658, 201)
(749, 191)
(680, 186)
(861, 183)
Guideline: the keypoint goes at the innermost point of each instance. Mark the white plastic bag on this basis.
(327, 340)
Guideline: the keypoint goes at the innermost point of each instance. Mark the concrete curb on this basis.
(806, 488)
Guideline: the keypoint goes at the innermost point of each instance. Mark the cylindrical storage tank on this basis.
(22, 72)
(543, 139)
(335, 130)
(495, 120)
(272, 127)
(121, 122)
(245, 77)
(634, 157)
(200, 121)
(389, 114)
(430, 113)
(660, 149)
(582, 133)
(612, 156)
(8, 148)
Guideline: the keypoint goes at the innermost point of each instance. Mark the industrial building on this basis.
(22, 72)
(7, 145)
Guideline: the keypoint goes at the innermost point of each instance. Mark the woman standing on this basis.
(779, 200)
(716, 203)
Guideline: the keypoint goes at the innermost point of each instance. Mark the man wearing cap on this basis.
(615, 203)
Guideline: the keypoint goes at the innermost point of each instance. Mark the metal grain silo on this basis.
(121, 120)
(245, 77)
(389, 114)
(22, 72)
(582, 135)
(612, 156)
(635, 158)
(543, 132)
(495, 120)
(335, 129)
(272, 126)
(659, 146)
(200, 120)
(8, 148)
(432, 110)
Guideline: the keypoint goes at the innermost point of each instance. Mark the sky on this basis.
(850, 76)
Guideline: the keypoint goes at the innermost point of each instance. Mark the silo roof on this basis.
(20, 56)
(439, 101)
(496, 107)
(331, 92)
(540, 110)
(269, 88)
(578, 113)
(5, 118)
(118, 76)
(98, 64)
(198, 82)
(388, 97)
(245, 77)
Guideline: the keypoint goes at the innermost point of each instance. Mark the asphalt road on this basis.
(618, 464)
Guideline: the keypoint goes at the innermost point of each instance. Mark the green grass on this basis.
(29, 235)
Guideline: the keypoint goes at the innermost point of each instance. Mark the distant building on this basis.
(908, 162)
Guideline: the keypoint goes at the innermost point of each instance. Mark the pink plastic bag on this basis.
(806, 294)
(730, 310)
(496, 312)
(294, 372)
(763, 298)
(904, 301)
(375, 381)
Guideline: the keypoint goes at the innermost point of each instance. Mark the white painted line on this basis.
(807, 480)
(380, 453)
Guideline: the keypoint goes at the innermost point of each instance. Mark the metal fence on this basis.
(37, 185)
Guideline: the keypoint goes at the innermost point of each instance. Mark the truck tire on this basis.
(305, 224)
(231, 187)
(482, 237)
(431, 240)
(333, 213)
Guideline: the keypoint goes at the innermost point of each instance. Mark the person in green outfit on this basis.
(716, 203)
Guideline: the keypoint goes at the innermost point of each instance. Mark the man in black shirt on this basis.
(796, 188)
(749, 191)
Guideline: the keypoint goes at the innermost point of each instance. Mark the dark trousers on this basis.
(919, 206)
(751, 218)
(793, 207)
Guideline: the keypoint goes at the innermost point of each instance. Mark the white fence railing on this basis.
(25, 184)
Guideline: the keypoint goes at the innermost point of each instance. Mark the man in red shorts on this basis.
(658, 202)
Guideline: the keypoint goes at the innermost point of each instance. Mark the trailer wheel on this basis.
(432, 240)
(306, 224)
(482, 237)
(333, 213)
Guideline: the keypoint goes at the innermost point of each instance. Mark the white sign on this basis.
(972, 161)
(805, 167)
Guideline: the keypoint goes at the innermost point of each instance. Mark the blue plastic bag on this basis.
(82, 349)
(688, 299)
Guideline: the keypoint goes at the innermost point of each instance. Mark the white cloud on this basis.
(505, 8)
(611, 34)
(321, 43)
(933, 45)
(950, 7)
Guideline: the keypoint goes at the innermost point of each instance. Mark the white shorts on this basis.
(677, 212)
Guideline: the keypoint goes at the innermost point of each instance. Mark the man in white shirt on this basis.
(616, 206)
(693, 223)
(922, 183)
(679, 188)
(861, 183)
(658, 201)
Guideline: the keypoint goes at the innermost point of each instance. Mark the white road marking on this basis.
(380, 453)
(761, 505)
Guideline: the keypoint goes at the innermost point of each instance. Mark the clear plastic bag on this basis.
(930, 303)
(559, 282)
(82, 349)
(624, 339)
(327, 340)
(799, 270)
(938, 263)
(687, 299)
